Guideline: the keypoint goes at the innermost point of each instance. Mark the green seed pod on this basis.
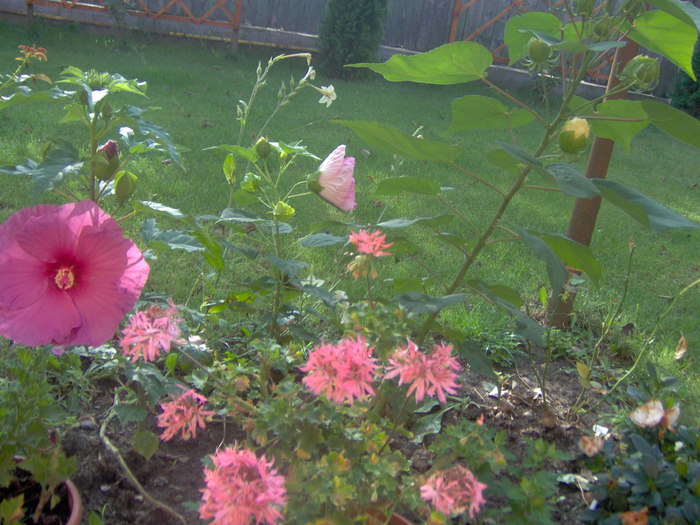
(263, 148)
(642, 72)
(538, 50)
(124, 185)
(574, 135)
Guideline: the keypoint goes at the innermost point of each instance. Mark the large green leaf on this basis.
(571, 181)
(683, 10)
(675, 122)
(453, 63)
(394, 141)
(497, 290)
(574, 254)
(650, 213)
(173, 239)
(516, 34)
(557, 272)
(427, 221)
(317, 240)
(420, 303)
(158, 134)
(50, 172)
(666, 35)
(398, 185)
(473, 353)
(619, 130)
(479, 112)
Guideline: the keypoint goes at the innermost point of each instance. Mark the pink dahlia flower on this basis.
(453, 491)
(433, 374)
(336, 180)
(242, 487)
(150, 332)
(67, 275)
(183, 414)
(370, 243)
(343, 372)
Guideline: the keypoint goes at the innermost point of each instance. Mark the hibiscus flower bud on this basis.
(602, 28)
(585, 7)
(538, 50)
(263, 148)
(642, 72)
(124, 185)
(106, 160)
(283, 211)
(574, 135)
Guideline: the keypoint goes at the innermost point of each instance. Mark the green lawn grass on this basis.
(196, 86)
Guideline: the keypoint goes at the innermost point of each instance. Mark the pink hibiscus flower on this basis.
(183, 414)
(242, 486)
(67, 275)
(433, 374)
(336, 180)
(370, 243)
(343, 372)
(453, 491)
(149, 332)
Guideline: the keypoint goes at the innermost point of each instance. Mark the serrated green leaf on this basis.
(392, 140)
(668, 36)
(329, 299)
(398, 185)
(145, 443)
(674, 122)
(648, 212)
(617, 130)
(479, 112)
(420, 303)
(518, 29)
(574, 254)
(430, 424)
(130, 413)
(317, 240)
(453, 63)
(572, 182)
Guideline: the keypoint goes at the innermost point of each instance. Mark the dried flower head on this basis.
(590, 446)
(453, 491)
(242, 487)
(649, 414)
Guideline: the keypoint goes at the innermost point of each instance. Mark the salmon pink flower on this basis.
(433, 374)
(149, 332)
(370, 243)
(242, 487)
(336, 182)
(343, 372)
(453, 491)
(184, 413)
(67, 275)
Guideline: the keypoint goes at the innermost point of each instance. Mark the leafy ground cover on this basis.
(201, 114)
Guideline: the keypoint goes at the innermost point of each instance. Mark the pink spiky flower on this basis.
(433, 374)
(372, 244)
(67, 275)
(242, 487)
(150, 332)
(183, 414)
(343, 372)
(336, 180)
(454, 490)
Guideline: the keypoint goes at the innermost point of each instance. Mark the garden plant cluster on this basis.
(332, 382)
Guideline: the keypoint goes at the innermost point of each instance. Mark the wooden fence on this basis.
(410, 25)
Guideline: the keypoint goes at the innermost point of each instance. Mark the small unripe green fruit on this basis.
(538, 50)
(574, 135)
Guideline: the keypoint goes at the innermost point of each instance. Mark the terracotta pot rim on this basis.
(75, 502)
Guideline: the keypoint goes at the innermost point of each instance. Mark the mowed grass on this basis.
(196, 85)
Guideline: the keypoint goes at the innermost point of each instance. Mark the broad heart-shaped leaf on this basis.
(453, 63)
(479, 112)
(668, 36)
(394, 141)
(684, 11)
(618, 130)
(517, 32)
(398, 185)
(173, 239)
(557, 272)
(50, 172)
(674, 122)
(650, 213)
(572, 253)
(571, 181)
(317, 240)
(419, 303)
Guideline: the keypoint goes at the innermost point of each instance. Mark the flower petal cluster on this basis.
(343, 372)
(149, 332)
(453, 491)
(433, 374)
(67, 275)
(336, 180)
(183, 414)
(372, 244)
(241, 487)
